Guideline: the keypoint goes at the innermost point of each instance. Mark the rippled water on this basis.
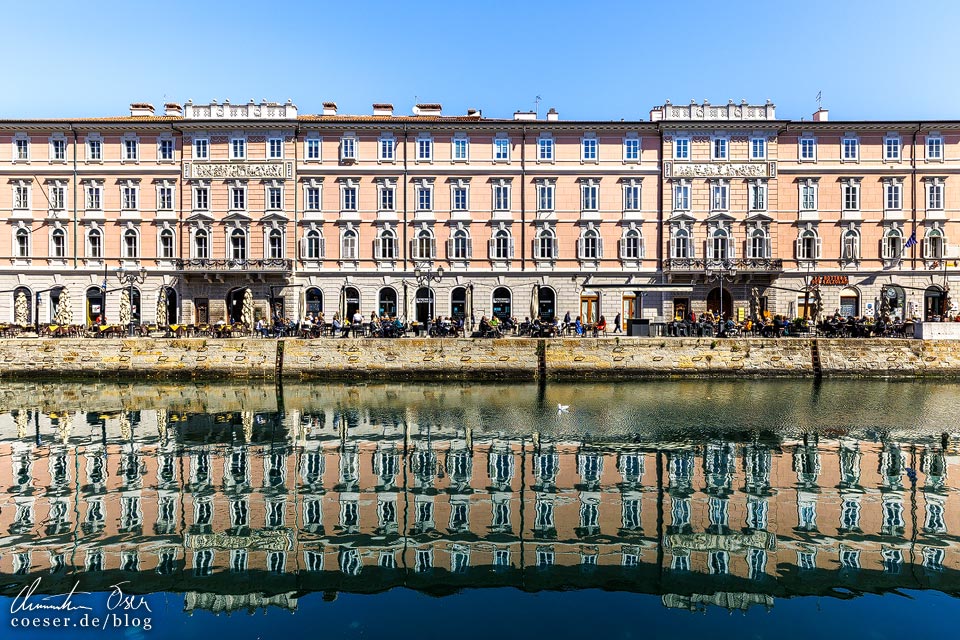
(653, 509)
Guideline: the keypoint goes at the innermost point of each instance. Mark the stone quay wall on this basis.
(471, 359)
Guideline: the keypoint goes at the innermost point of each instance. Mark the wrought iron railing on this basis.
(740, 264)
(205, 264)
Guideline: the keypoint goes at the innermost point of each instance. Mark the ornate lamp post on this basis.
(716, 271)
(424, 274)
(129, 279)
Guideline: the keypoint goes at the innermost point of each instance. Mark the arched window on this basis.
(387, 245)
(850, 245)
(502, 302)
(275, 244)
(314, 300)
(680, 244)
(166, 243)
(546, 244)
(95, 244)
(458, 302)
(892, 244)
(131, 244)
(933, 244)
(201, 244)
(631, 247)
(460, 245)
(590, 245)
(759, 245)
(424, 247)
(808, 245)
(312, 245)
(59, 243)
(22, 243)
(501, 245)
(238, 244)
(387, 302)
(720, 247)
(348, 244)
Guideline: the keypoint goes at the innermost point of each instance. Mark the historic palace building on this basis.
(700, 206)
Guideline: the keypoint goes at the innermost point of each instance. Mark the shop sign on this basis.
(829, 281)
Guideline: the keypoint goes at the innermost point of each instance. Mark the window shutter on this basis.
(323, 247)
(800, 255)
(377, 249)
(491, 248)
(641, 249)
(732, 248)
(511, 248)
(708, 249)
(622, 244)
(469, 247)
(450, 248)
(413, 248)
(303, 247)
(767, 249)
(580, 248)
(599, 246)
(433, 248)
(535, 248)
(819, 247)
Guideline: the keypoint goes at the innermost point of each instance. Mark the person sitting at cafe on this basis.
(495, 327)
(261, 328)
(578, 327)
(484, 327)
(600, 327)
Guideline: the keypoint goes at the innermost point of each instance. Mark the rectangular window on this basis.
(94, 150)
(590, 150)
(935, 195)
(461, 149)
(681, 197)
(545, 197)
(275, 148)
(22, 149)
(545, 149)
(238, 198)
(201, 148)
(808, 197)
(424, 149)
(719, 196)
(387, 198)
(313, 148)
(424, 198)
(386, 149)
(851, 196)
(758, 196)
(501, 197)
(891, 149)
(313, 198)
(166, 150)
(589, 197)
(57, 197)
(631, 149)
(893, 199)
(165, 198)
(851, 149)
(58, 150)
(349, 198)
(681, 149)
(758, 148)
(348, 148)
(131, 151)
(129, 200)
(719, 148)
(808, 149)
(631, 197)
(934, 148)
(501, 150)
(275, 198)
(93, 197)
(460, 199)
(238, 148)
(21, 197)
(201, 198)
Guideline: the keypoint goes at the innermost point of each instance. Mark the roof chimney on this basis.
(552, 115)
(329, 108)
(474, 113)
(656, 114)
(140, 109)
(821, 115)
(382, 109)
(524, 115)
(427, 109)
(173, 109)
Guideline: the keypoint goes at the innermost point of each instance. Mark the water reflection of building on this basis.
(363, 501)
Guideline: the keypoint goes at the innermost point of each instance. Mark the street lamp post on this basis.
(129, 279)
(715, 272)
(424, 274)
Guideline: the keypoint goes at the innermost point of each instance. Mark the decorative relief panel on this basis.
(238, 170)
(720, 170)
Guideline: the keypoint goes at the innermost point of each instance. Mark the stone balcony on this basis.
(280, 266)
(745, 265)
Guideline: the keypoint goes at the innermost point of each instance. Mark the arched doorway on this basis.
(424, 305)
(714, 300)
(546, 303)
(387, 302)
(94, 305)
(135, 307)
(458, 303)
(314, 301)
(54, 302)
(934, 300)
(351, 302)
(849, 303)
(894, 301)
(235, 304)
(502, 303)
(171, 305)
(22, 306)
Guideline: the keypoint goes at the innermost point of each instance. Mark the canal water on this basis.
(760, 509)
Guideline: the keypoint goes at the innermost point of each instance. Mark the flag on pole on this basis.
(912, 241)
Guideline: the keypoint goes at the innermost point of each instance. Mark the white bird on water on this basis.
(562, 409)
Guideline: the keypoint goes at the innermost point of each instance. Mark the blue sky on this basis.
(875, 59)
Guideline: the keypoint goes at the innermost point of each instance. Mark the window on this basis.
(93, 199)
(348, 149)
(681, 149)
(94, 244)
(934, 194)
(94, 149)
(424, 247)
(348, 245)
(387, 245)
(851, 195)
(758, 196)
(808, 196)
(758, 148)
(165, 150)
(808, 245)
(275, 244)
(546, 244)
(313, 245)
(131, 244)
(201, 244)
(238, 244)
(892, 245)
(166, 243)
(632, 245)
(501, 150)
(238, 148)
(631, 149)
(424, 197)
(719, 196)
(201, 198)
(720, 246)
(850, 514)
(387, 197)
(933, 244)
(21, 149)
(201, 148)
(460, 201)
(681, 197)
(165, 198)
(891, 148)
(461, 149)
(58, 150)
(589, 150)
(545, 150)
(21, 196)
(590, 245)
(631, 197)
(313, 198)
(808, 149)
(893, 195)
(759, 245)
(501, 245)
(589, 196)
(238, 198)
(424, 149)
(313, 149)
(129, 197)
(934, 148)
(59, 238)
(131, 149)
(22, 237)
(719, 148)
(348, 196)
(460, 245)
(850, 246)
(681, 245)
(501, 197)
(545, 196)
(850, 149)
(274, 198)
(275, 148)
(385, 149)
